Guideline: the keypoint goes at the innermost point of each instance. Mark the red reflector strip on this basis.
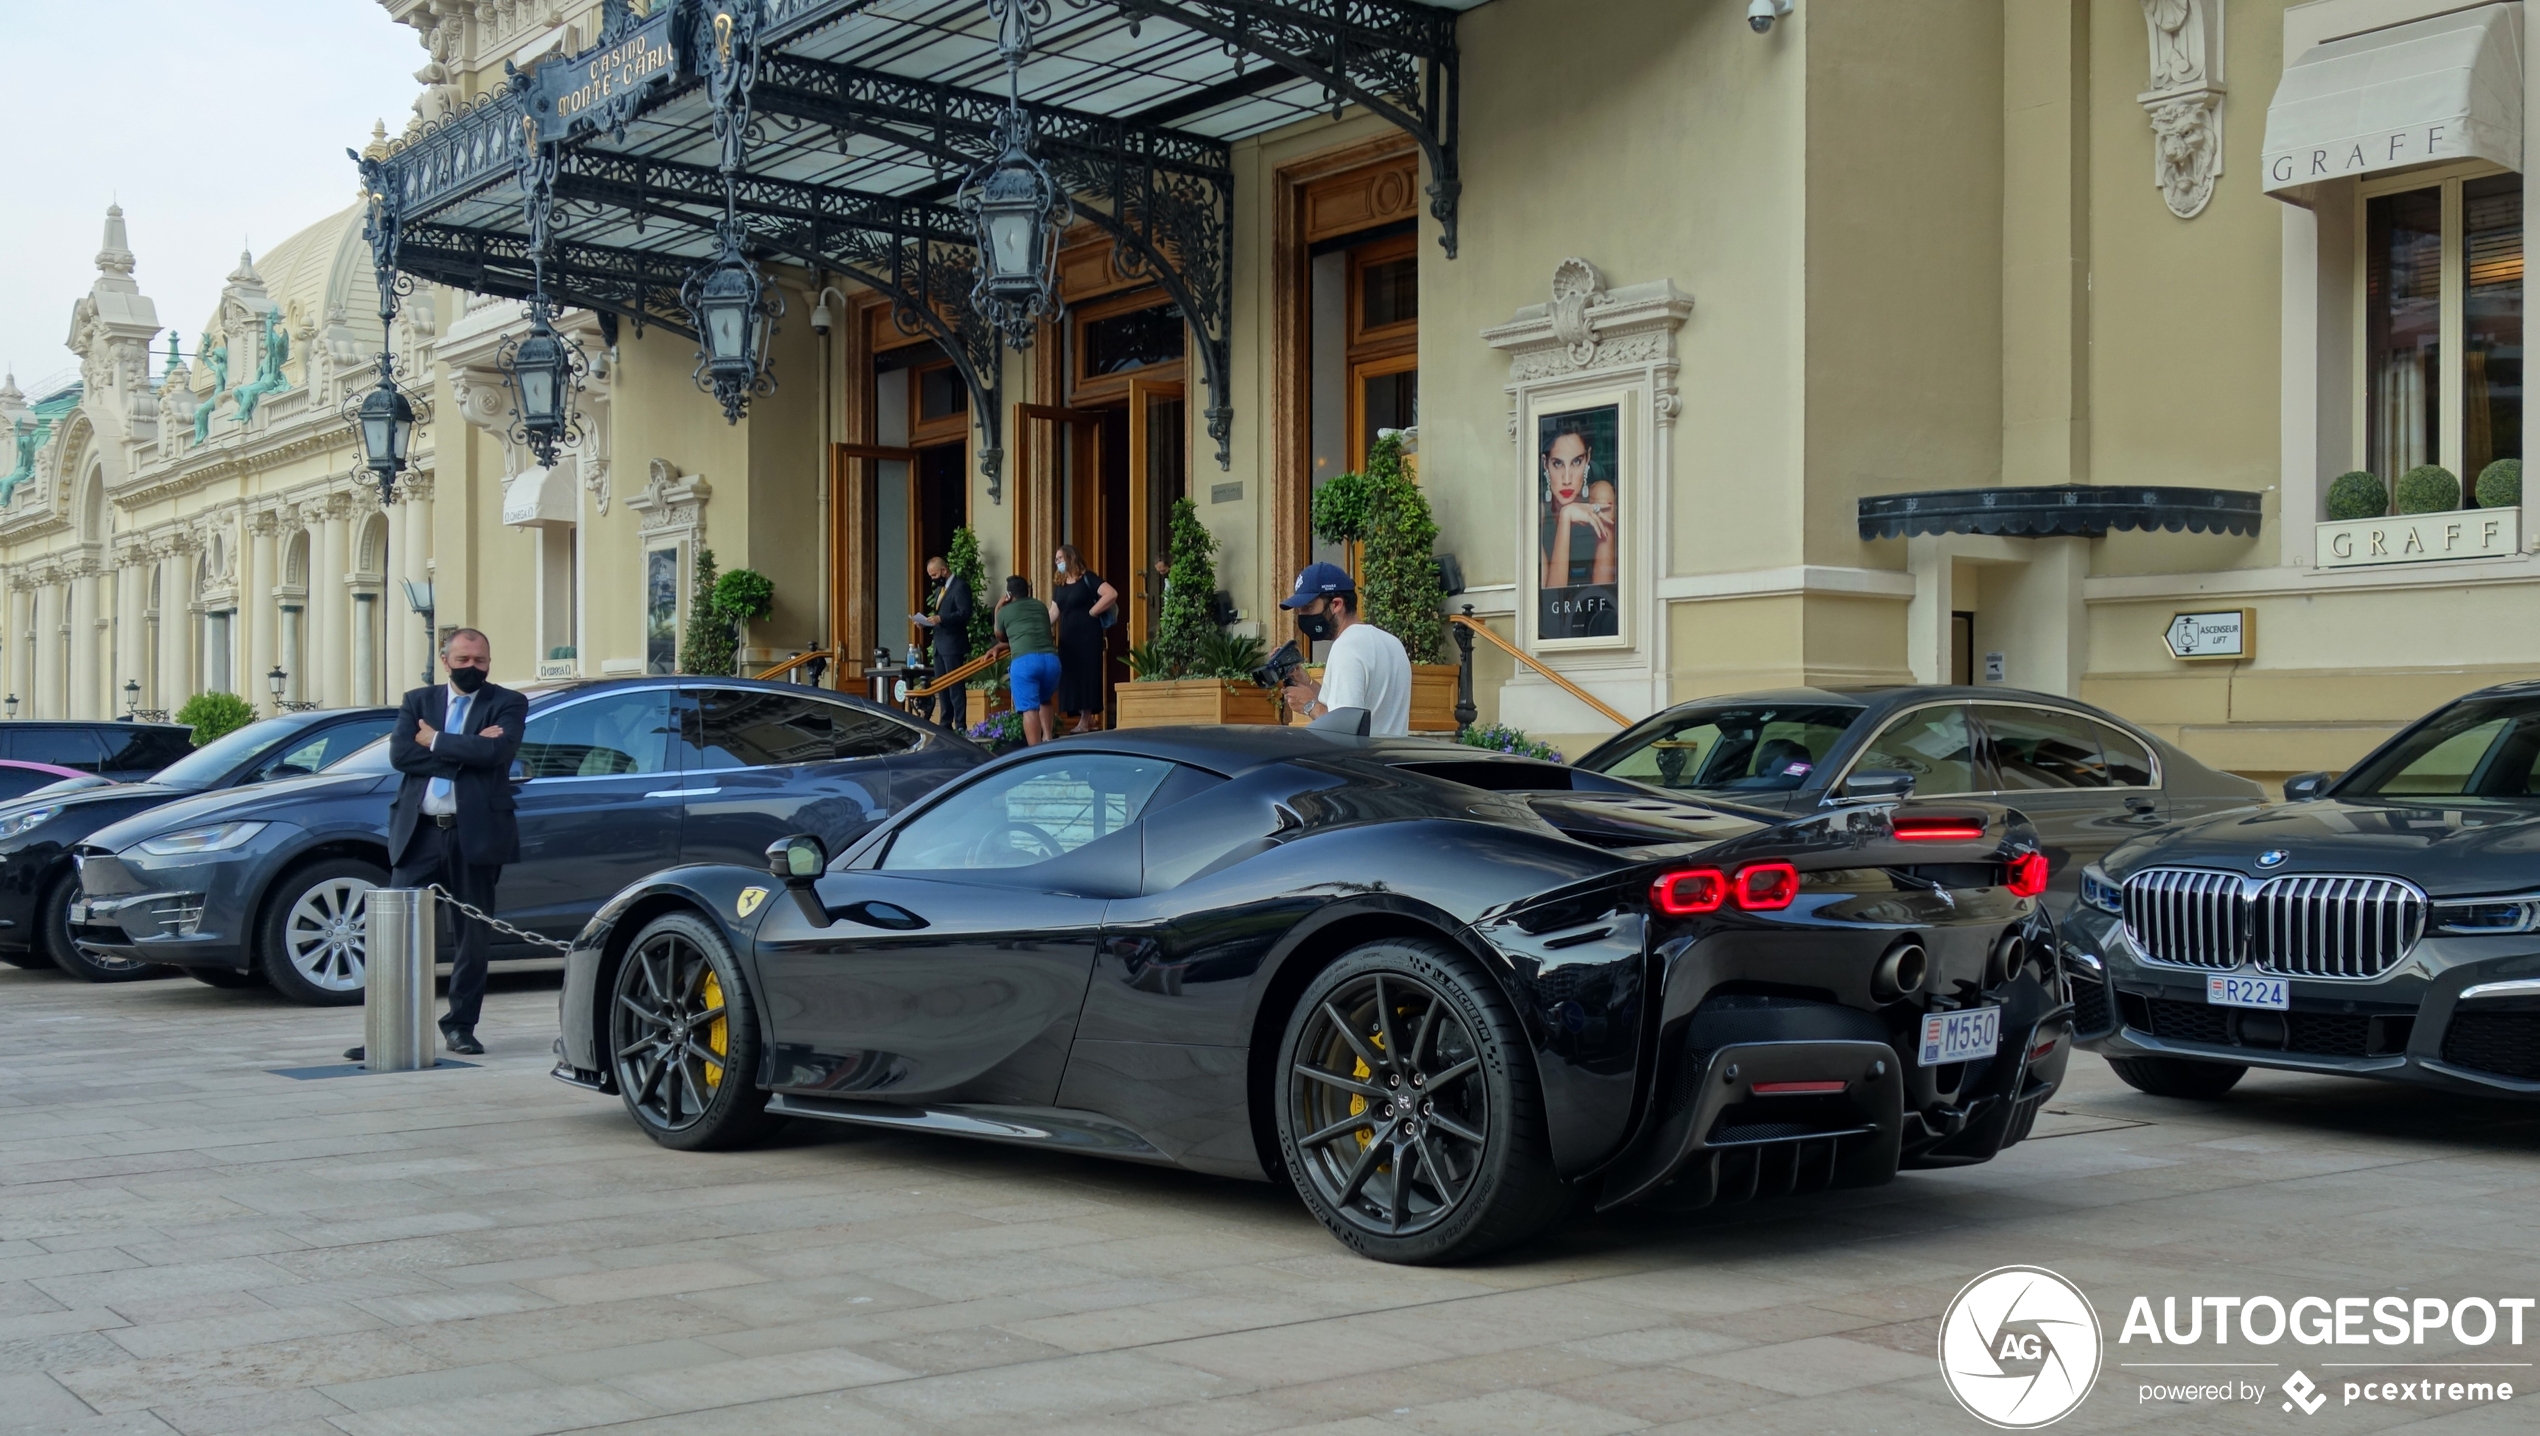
(1793, 1089)
(1937, 830)
(2034, 1053)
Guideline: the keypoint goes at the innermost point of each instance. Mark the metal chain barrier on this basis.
(497, 924)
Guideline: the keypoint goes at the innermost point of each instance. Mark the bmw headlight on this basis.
(218, 838)
(27, 820)
(2101, 892)
(2464, 917)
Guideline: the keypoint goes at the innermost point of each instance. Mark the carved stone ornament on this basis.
(2185, 100)
(670, 501)
(1589, 329)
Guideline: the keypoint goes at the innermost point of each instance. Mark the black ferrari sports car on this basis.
(1440, 992)
(2378, 926)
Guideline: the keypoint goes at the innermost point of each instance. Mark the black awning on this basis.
(2047, 510)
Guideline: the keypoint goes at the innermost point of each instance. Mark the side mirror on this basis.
(2305, 787)
(1878, 785)
(519, 772)
(798, 862)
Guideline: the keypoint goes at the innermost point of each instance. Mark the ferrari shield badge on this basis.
(749, 900)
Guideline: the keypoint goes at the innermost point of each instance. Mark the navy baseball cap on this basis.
(1317, 580)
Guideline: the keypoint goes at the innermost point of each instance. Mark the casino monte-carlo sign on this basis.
(601, 90)
(2421, 538)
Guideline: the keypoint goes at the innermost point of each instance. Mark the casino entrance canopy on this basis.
(859, 119)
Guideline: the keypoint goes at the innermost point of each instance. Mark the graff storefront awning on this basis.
(859, 119)
(2447, 88)
(2045, 511)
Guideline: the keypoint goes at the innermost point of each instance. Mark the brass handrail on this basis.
(797, 661)
(959, 675)
(1513, 651)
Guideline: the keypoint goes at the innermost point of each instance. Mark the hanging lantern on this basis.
(543, 369)
(1017, 214)
(387, 424)
(733, 310)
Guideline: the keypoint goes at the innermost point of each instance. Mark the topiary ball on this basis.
(2500, 485)
(2427, 489)
(2357, 495)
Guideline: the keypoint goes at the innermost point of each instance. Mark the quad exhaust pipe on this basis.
(1900, 972)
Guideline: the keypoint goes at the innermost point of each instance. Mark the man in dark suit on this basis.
(948, 615)
(452, 820)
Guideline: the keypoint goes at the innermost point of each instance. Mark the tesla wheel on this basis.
(310, 944)
(227, 978)
(2177, 1077)
(684, 1039)
(1408, 1112)
(53, 930)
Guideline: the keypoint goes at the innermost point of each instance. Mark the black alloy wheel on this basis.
(683, 1039)
(53, 931)
(1408, 1113)
(2178, 1076)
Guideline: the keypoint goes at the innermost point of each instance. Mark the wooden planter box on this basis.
(1193, 700)
(983, 704)
(1433, 697)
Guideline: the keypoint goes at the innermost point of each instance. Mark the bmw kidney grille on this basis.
(2334, 927)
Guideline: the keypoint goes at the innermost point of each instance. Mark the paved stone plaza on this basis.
(190, 1243)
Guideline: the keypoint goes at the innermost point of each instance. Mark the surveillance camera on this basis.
(1760, 14)
(820, 319)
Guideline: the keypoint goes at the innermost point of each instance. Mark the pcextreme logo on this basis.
(2019, 1347)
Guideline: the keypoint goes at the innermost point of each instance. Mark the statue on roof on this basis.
(273, 347)
(214, 357)
(30, 437)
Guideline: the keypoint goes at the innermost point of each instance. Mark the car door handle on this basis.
(683, 792)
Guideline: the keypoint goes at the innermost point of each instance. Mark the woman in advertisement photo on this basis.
(1576, 523)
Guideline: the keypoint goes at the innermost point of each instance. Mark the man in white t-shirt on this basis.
(1366, 667)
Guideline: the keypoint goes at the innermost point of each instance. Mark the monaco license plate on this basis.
(2229, 989)
(1961, 1036)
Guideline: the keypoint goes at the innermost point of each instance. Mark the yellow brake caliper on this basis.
(1358, 1104)
(718, 1033)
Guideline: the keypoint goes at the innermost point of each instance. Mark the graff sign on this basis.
(600, 90)
(2421, 538)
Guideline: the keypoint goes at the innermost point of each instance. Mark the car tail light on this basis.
(1797, 1089)
(1937, 829)
(1688, 894)
(1758, 887)
(2025, 875)
(1767, 887)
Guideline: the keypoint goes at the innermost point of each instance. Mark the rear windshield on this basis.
(2484, 748)
(1730, 747)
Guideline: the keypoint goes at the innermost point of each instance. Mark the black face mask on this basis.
(467, 680)
(1317, 627)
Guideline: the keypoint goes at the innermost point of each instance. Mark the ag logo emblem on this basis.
(2273, 858)
(2019, 1347)
(749, 900)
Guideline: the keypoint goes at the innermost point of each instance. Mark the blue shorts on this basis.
(1034, 679)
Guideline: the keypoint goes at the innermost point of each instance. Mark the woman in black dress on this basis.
(1082, 599)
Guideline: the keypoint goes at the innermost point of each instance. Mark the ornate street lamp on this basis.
(10, 703)
(1017, 211)
(277, 680)
(387, 424)
(132, 697)
(383, 415)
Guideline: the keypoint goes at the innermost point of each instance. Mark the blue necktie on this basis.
(440, 787)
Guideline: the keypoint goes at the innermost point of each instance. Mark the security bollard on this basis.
(397, 991)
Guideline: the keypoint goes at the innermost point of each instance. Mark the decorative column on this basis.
(411, 530)
(176, 625)
(80, 634)
(256, 601)
(21, 639)
(330, 602)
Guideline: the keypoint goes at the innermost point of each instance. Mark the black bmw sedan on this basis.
(2383, 925)
(2086, 779)
(38, 834)
(616, 779)
(1445, 996)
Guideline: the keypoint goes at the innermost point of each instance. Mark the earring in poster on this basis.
(1577, 522)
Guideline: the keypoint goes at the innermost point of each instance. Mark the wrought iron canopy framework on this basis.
(860, 117)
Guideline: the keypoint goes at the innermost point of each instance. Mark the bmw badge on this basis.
(2273, 858)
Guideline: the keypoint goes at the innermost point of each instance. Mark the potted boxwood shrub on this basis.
(2500, 485)
(1398, 584)
(1191, 671)
(2426, 489)
(985, 693)
(2356, 495)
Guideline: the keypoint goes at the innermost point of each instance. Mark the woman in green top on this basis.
(1029, 629)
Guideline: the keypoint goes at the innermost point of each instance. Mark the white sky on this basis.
(214, 122)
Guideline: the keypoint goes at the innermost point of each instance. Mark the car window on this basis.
(601, 737)
(1933, 744)
(322, 749)
(2129, 763)
(17, 782)
(1748, 747)
(62, 747)
(751, 728)
(2444, 768)
(2040, 748)
(146, 748)
(1029, 813)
